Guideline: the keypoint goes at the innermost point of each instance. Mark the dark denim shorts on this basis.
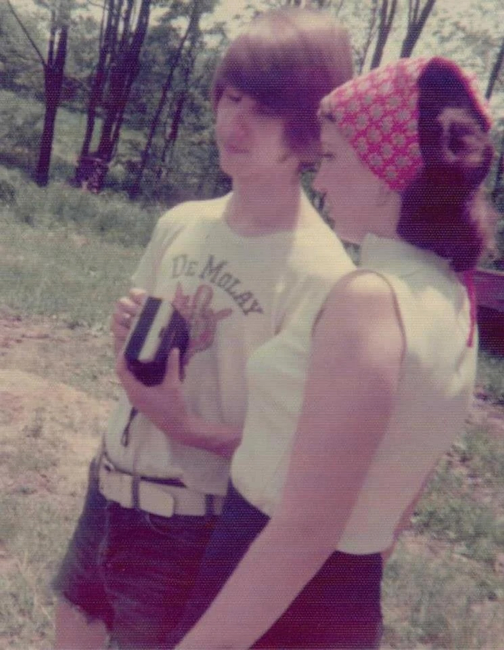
(132, 570)
(338, 608)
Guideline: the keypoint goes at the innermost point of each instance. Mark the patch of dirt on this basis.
(57, 388)
(49, 348)
(57, 383)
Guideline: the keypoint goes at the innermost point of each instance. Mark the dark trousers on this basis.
(132, 570)
(338, 608)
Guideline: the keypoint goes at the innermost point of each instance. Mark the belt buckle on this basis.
(116, 485)
(155, 500)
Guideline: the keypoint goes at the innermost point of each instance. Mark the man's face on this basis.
(250, 138)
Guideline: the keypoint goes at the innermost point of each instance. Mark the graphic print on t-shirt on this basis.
(200, 316)
(217, 274)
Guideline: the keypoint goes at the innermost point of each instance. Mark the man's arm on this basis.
(164, 405)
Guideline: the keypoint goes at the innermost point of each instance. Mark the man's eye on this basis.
(233, 96)
(327, 155)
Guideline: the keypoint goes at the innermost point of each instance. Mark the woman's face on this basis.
(355, 196)
(251, 140)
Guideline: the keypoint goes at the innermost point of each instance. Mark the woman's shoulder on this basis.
(362, 288)
(361, 306)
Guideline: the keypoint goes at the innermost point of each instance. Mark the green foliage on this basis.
(491, 376)
(59, 205)
(20, 130)
(20, 69)
(441, 601)
(454, 508)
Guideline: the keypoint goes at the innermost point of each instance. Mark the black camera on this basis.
(158, 329)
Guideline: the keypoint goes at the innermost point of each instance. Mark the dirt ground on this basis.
(52, 387)
(57, 385)
(55, 377)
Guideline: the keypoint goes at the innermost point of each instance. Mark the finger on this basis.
(138, 295)
(121, 367)
(118, 329)
(127, 306)
(123, 316)
(173, 366)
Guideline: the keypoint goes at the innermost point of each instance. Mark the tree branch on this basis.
(27, 34)
(496, 68)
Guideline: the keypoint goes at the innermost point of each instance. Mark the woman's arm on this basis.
(354, 369)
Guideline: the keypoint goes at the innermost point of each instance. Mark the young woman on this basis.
(239, 269)
(352, 404)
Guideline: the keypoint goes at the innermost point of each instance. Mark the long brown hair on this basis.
(443, 209)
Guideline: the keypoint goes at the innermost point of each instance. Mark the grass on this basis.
(67, 255)
(53, 262)
(491, 376)
(56, 273)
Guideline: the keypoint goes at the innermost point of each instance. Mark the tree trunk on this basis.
(499, 176)
(416, 23)
(119, 67)
(359, 65)
(99, 79)
(386, 21)
(494, 75)
(194, 18)
(54, 73)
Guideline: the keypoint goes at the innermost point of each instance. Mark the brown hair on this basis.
(443, 209)
(287, 60)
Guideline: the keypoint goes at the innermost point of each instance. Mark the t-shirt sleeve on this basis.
(165, 231)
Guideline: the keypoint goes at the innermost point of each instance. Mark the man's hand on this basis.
(126, 308)
(165, 406)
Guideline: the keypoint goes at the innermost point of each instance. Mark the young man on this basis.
(238, 268)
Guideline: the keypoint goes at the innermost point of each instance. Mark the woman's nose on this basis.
(317, 183)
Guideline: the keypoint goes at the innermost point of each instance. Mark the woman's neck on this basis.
(264, 208)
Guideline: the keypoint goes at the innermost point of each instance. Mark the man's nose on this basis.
(240, 119)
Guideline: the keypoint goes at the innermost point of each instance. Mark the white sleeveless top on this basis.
(436, 384)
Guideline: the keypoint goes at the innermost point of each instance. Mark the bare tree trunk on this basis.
(54, 75)
(499, 176)
(116, 72)
(369, 38)
(386, 20)
(100, 77)
(194, 18)
(494, 74)
(417, 18)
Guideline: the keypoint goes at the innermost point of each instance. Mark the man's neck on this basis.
(261, 209)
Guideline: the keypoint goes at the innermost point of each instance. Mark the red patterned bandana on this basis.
(378, 114)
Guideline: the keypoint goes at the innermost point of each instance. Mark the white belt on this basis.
(156, 498)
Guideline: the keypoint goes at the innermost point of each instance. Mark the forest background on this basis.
(105, 123)
(135, 74)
